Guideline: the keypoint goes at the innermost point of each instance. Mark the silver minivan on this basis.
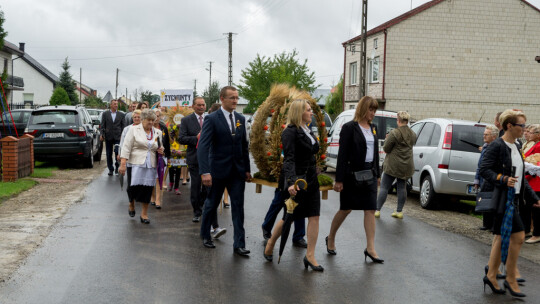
(445, 158)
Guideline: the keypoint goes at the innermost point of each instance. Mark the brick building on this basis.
(452, 58)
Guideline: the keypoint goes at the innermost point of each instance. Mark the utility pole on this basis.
(116, 90)
(80, 85)
(195, 87)
(230, 57)
(136, 95)
(210, 79)
(126, 96)
(363, 57)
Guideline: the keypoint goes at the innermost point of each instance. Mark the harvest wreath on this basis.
(265, 138)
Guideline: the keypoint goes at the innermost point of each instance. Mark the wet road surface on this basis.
(98, 254)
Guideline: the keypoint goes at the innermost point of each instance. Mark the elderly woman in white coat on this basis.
(139, 150)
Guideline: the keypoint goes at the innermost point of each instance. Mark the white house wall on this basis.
(34, 82)
(463, 57)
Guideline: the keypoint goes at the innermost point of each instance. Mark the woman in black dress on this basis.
(358, 159)
(299, 149)
(498, 162)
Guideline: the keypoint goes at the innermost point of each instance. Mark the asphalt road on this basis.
(98, 254)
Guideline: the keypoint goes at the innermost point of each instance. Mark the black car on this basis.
(64, 132)
(20, 117)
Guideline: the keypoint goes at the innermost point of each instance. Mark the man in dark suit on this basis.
(190, 131)
(224, 162)
(112, 124)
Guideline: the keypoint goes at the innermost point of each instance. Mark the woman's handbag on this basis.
(488, 201)
(363, 177)
(485, 202)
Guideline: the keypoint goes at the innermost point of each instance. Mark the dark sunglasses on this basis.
(519, 125)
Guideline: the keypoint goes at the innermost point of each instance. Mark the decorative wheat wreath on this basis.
(266, 149)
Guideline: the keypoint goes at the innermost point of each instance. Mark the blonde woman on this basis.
(300, 147)
(136, 117)
(398, 164)
(139, 150)
(357, 175)
(499, 159)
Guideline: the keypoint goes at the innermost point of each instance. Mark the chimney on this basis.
(21, 46)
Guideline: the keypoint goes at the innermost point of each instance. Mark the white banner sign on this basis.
(169, 97)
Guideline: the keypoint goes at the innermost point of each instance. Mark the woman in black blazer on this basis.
(358, 153)
(299, 149)
(496, 168)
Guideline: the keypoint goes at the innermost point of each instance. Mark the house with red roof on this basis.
(452, 58)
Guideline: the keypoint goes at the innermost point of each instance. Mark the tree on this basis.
(334, 101)
(67, 83)
(211, 96)
(263, 72)
(59, 97)
(146, 96)
(94, 102)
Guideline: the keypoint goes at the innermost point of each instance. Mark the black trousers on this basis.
(174, 176)
(525, 212)
(109, 147)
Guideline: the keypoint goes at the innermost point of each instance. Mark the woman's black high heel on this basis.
(131, 213)
(374, 259)
(502, 276)
(145, 221)
(493, 289)
(313, 267)
(513, 293)
(330, 251)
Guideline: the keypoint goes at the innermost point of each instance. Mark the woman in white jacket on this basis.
(139, 150)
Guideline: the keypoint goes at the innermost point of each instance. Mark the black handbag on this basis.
(486, 202)
(363, 177)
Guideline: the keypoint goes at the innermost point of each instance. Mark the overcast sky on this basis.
(166, 44)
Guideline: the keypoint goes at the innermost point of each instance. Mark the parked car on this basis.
(385, 121)
(327, 122)
(64, 132)
(445, 158)
(20, 117)
(95, 115)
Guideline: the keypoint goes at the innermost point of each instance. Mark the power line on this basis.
(138, 54)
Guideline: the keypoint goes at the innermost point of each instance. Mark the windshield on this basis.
(54, 117)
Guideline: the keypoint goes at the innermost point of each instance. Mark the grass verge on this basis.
(8, 189)
(43, 170)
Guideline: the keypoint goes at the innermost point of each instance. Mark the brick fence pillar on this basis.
(10, 158)
(31, 150)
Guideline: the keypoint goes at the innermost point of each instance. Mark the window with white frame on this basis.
(353, 72)
(373, 70)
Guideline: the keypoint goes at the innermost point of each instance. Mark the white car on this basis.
(384, 120)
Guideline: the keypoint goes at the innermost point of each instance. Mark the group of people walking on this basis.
(218, 159)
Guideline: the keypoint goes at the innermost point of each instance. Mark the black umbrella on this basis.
(116, 148)
(290, 204)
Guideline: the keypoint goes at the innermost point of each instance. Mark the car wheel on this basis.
(427, 194)
(89, 161)
(97, 156)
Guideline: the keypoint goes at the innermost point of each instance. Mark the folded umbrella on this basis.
(506, 227)
(291, 205)
(160, 166)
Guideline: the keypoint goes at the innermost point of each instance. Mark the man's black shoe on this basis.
(266, 234)
(196, 219)
(241, 251)
(300, 243)
(116, 171)
(208, 243)
(484, 228)
(110, 173)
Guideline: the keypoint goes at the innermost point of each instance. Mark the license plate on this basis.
(53, 135)
(471, 189)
